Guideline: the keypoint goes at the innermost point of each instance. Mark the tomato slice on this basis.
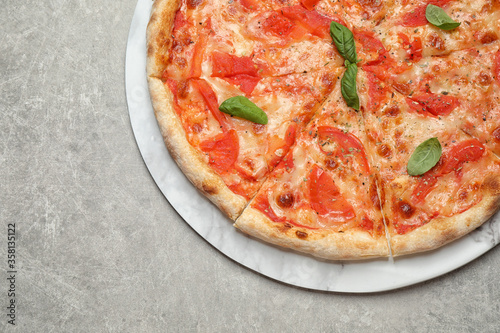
(349, 145)
(418, 108)
(378, 93)
(326, 198)
(309, 4)
(225, 64)
(462, 152)
(222, 150)
(416, 16)
(311, 20)
(211, 100)
(250, 4)
(436, 104)
(277, 24)
(284, 145)
(199, 50)
(451, 161)
(239, 71)
(261, 203)
(246, 83)
(179, 20)
(371, 47)
(413, 49)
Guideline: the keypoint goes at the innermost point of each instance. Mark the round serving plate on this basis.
(280, 264)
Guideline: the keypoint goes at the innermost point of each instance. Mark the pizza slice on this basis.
(322, 197)
(451, 187)
(466, 95)
(408, 34)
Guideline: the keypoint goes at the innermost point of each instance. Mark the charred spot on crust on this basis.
(492, 184)
(405, 209)
(285, 200)
(284, 227)
(151, 50)
(209, 189)
(301, 234)
(493, 206)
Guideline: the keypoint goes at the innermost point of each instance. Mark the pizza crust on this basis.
(158, 35)
(189, 159)
(348, 245)
(441, 231)
(191, 162)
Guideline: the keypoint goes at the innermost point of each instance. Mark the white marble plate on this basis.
(288, 267)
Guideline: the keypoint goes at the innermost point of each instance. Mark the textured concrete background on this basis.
(99, 249)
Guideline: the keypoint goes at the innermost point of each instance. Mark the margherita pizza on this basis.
(345, 129)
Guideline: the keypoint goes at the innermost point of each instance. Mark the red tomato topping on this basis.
(211, 101)
(348, 144)
(240, 71)
(452, 160)
(172, 85)
(245, 82)
(418, 108)
(326, 198)
(416, 16)
(366, 224)
(377, 92)
(179, 20)
(284, 145)
(436, 104)
(223, 151)
(309, 4)
(371, 46)
(261, 203)
(413, 49)
(314, 22)
(224, 65)
(278, 25)
(462, 152)
(250, 4)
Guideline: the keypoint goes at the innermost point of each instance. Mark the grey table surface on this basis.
(100, 249)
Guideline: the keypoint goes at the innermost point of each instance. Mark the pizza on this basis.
(345, 129)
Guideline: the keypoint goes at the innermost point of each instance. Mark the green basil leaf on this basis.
(344, 40)
(348, 85)
(425, 156)
(242, 107)
(438, 17)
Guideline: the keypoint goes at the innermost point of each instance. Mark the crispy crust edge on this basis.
(350, 245)
(158, 35)
(187, 158)
(444, 230)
